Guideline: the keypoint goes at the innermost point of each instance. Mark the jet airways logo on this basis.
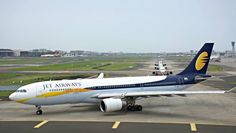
(201, 60)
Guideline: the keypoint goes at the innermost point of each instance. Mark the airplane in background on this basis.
(161, 69)
(215, 58)
(115, 94)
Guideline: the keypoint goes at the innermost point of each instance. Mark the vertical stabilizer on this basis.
(199, 64)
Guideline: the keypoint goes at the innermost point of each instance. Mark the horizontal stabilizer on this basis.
(232, 90)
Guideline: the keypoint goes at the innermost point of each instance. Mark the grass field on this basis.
(103, 63)
(83, 66)
(180, 58)
(108, 65)
(57, 60)
(211, 67)
(113, 63)
(215, 68)
(4, 76)
(23, 79)
(5, 93)
(25, 60)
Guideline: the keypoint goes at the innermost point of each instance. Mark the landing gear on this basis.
(131, 106)
(134, 108)
(138, 107)
(39, 111)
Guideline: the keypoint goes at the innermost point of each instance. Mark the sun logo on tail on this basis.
(201, 60)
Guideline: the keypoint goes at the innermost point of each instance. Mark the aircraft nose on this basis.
(12, 97)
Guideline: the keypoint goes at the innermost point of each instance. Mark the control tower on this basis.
(233, 47)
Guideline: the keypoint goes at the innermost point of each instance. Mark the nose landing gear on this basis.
(39, 111)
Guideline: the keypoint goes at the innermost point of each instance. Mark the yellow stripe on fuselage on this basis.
(58, 93)
(54, 93)
(23, 100)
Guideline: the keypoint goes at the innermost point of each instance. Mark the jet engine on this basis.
(111, 104)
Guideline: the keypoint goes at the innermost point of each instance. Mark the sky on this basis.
(117, 25)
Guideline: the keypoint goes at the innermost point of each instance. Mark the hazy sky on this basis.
(117, 25)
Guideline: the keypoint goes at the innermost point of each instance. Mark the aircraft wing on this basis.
(154, 93)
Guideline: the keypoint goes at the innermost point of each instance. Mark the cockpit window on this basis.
(23, 90)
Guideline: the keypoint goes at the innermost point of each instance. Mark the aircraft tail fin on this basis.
(199, 64)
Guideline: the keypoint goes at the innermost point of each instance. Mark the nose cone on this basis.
(12, 97)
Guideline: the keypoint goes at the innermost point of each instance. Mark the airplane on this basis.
(215, 58)
(161, 69)
(116, 94)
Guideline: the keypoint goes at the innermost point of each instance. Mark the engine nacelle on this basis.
(111, 104)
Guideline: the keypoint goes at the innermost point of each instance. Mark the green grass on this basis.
(7, 75)
(179, 58)
(25, 60)
(214, 68)
(57, 60)
(105, 63)
(83, 66)
(23, 79)
(120, 66)
(233, 83)
(211, 67)
(5, 93)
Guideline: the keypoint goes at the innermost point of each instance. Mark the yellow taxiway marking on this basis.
(41, 124)
(116, 125)
(193, 127)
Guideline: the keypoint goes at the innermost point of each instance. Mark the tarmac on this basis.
(111, 127)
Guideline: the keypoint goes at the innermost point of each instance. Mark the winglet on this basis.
(101, 76)
(231, 90)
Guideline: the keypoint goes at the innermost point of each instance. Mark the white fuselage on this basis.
(161, 67)
(83, 90)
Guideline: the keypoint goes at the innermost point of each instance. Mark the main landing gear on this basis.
(131, 106)
(39, 111)
(134, 108)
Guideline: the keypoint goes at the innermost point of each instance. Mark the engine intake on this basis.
(111, 104)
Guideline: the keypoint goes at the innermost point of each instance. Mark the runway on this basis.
(91, 127)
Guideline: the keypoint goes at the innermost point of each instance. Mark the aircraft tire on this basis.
(139, 108)
(39, 112)
(130, 108)
(134, 108)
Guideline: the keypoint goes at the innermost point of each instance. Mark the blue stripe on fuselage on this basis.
(169, 81)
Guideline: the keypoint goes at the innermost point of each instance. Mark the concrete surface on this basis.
(105, 127)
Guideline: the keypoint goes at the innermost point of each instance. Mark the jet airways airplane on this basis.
(114, 94)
